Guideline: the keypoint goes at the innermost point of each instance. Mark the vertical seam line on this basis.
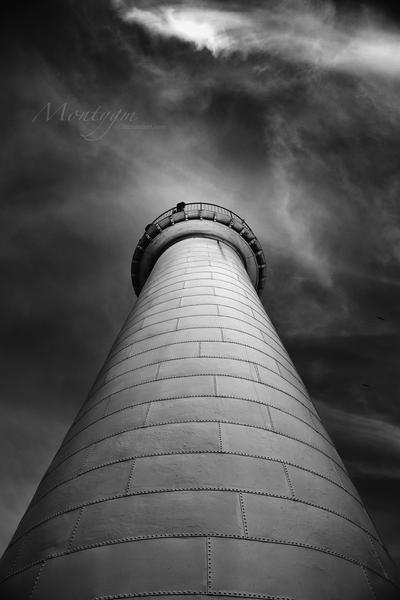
(243, 513)
(158, 371)
(378, 558)
(88, 454)
(209, 565)
(37, 579)
(369, 583)
(130, 478)
(270, 417)
(147, 413)
(257, 372)
(75, 529)
(215, 385)
(288, 480)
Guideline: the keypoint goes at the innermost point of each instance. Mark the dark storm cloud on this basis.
(286, 112)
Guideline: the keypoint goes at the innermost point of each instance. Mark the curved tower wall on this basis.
(197, 465)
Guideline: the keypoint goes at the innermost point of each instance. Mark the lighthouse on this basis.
(198, 465)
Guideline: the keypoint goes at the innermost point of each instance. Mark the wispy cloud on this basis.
(374, 444)
(215, 30)
(286, 112)
(296, 30)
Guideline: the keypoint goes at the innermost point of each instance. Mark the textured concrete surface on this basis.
(197, 465)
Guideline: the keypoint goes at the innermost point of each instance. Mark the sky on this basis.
(285, 111)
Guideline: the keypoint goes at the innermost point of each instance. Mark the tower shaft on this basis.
(198, 464)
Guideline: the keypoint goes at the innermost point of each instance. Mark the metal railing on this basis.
(188, 212)
(214, 208)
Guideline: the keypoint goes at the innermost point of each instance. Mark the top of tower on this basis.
(198, 219)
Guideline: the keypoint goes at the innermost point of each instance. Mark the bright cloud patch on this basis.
(212, 29)
(297, 31)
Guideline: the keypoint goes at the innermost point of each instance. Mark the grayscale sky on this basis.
(285, 111)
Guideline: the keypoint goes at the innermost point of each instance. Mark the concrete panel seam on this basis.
(166, 345)
(133, 406)
(222, 594)
(203, 534)
(272, 423)
(208, 536)
(218, 327)
(214, 275)
(150, 594)
(216, 395)
(243, 513)
(186, 397)
(376, 554)
(268, 331)
(288, 480)
(180, 298)
(257, 371)
(193, 489)
(214, 385)
(190, 375)
(274, 337)
(152, 302)
(316, 417)
(106, 405)
(213, 593)
(178, 266)
(373, 595)
(53, 466)
(137, 427)
(130, 478)
(230, 453)
(89, 453)
(75, 528)
(136, 385)
(145, 288)
(147, 413)
(36, 581)
(199, 270)
(228, 422)
(238, 291)
(200, 341)
(341, 472)
(209, 564)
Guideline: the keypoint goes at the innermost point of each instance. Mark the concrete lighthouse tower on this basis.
(198, 465)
